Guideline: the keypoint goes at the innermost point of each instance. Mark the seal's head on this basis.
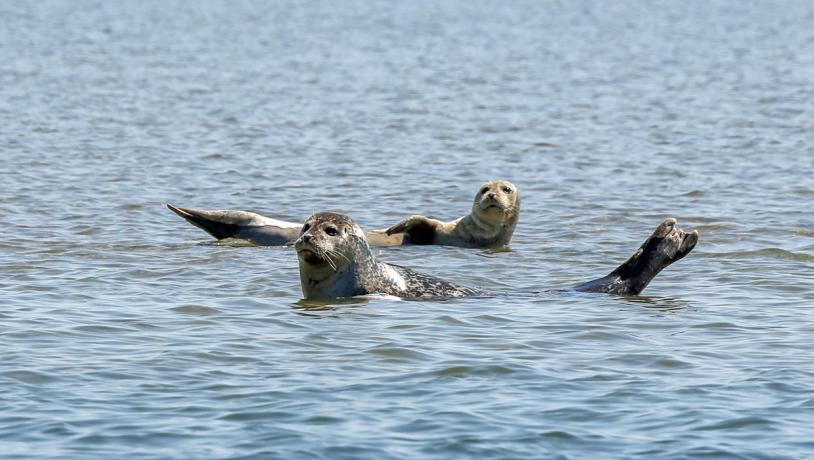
(497, 202)
(333, 253)
(328, 240)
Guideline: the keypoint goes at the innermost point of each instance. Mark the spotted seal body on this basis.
(491, 222)
(335, 261)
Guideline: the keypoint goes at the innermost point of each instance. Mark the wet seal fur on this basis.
(491, 222)
(335, 261)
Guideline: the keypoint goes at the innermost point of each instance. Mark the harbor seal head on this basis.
(497, 202)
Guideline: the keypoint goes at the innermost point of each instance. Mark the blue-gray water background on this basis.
(122, 336)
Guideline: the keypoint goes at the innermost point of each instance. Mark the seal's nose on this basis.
(491, 195)
(307, 238)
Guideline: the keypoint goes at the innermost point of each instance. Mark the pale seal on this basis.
(335, 261)
(491, 222)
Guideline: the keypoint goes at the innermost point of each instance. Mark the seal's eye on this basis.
(330, 231)
(507, 190)
(484, 190)
(306, 227)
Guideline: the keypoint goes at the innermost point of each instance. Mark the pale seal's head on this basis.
(330, 248)
(497, 202)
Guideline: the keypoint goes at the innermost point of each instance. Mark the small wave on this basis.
(197, 310)
(735, 423)
(771, 253)
(398, 353)
(26, 376)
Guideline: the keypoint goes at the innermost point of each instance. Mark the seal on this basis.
(335, 261)
(491, 222)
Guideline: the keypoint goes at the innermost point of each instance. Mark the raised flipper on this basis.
(666, 245)
(244, 225)
(416, 229)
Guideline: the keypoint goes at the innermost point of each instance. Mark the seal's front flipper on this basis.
(666, 245)
(245, 225)
(416, 229)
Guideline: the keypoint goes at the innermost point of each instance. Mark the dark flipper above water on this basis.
(245, 225)
(259, 229)
(666, 245)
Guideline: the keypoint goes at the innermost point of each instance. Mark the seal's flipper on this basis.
(206, 222)
(245, 225)
(416, 229)
(666, 245)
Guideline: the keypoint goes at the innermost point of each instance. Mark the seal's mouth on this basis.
(310, 257)
(489, 204)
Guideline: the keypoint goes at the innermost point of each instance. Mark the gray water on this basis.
(125, 333)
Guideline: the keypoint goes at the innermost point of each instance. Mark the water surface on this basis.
(125, 334)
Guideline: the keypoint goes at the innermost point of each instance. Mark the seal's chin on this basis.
(310, 257)
(491, 206)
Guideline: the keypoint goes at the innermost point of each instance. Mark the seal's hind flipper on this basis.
(244, 225)
(207, 221)
(666, 245)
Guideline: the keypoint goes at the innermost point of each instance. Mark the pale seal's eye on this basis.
(507, 189)
(330, 231)
(484, 190)
(305, 227)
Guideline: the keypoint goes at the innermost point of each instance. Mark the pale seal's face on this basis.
(327, 242)
(497, 201)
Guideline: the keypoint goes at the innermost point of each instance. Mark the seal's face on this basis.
(497, 201)
(326, 242)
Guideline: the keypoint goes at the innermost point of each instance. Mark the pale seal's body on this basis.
(258, 229)
(491, 223)
(335, 261)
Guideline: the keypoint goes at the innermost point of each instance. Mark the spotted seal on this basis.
(490, 223)
(335, 261)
